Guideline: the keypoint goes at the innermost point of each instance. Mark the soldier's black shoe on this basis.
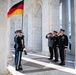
(55, 60)
(62, 64)
(17, 69)
(50, 58)
(20, 69)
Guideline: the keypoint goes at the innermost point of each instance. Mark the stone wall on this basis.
(43, 17)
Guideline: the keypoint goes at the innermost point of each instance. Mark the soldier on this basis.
(50, 44)
(18, 49)
(55, 45)
(63, 44)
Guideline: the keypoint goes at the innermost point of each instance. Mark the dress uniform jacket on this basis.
(55, 41)
(63, 44)
(63, 41)
(19, 42)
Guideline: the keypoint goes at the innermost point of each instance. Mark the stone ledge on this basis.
(8, 72)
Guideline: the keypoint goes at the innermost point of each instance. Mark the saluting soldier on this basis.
(49, 36)
(63, 44)
(18, 49)
(55, 45)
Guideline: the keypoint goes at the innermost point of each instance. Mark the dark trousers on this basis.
(18, 56)
(62, 55)
(56, 53)
(51, 52)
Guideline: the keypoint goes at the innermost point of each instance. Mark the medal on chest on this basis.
(63, 38)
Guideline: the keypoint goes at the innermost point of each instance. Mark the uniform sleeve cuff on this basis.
(66, 46)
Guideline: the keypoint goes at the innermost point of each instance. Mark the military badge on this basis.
(63, 38)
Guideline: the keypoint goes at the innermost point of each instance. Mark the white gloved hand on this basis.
(65, 49)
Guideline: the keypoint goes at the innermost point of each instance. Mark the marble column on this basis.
(3, 37)
(54, 15)
(72, 28)
(65, 16)
(50, 20)
(45, 25)
(37, 29)
(9, 54)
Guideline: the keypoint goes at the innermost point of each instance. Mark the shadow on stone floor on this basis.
(30, 67)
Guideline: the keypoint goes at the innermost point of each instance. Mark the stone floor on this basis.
(35, 63)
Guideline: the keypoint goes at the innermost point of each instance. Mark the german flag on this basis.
(16, 9)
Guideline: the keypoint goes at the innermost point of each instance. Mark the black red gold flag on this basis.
(16, 9)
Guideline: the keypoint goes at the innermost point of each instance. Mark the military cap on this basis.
(55, 31)
(62, 30)
(18, 31)
(50, 33)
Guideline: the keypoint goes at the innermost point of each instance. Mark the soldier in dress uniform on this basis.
(49, 36)
(55, 45)
(63, 44)
(18, 49)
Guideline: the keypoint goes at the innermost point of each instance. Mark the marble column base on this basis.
(10, 58)
(8, 72)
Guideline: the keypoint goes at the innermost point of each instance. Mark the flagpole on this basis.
(22, 22)
(22, 15)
